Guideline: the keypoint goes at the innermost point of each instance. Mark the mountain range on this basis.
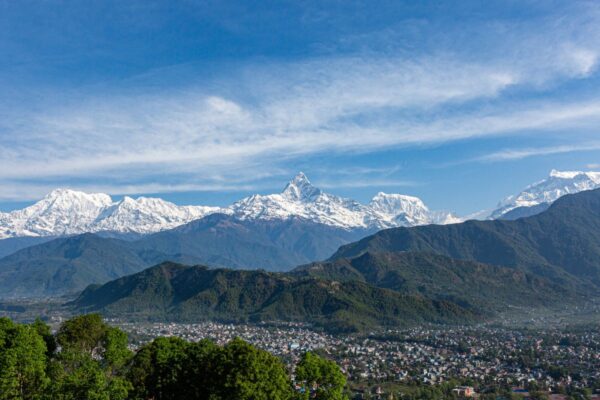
(66, 212)
(538, 196)
(455, 273)
(298, 226)
(68, 264)
(561, 243)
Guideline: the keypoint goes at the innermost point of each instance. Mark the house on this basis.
(464, 391)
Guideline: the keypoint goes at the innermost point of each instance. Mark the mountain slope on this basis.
(176, 292)
(12, 245)
(562, 243)
(69, 264)
(66, 265)
(470, 284)
(223, 240)
(538, 196)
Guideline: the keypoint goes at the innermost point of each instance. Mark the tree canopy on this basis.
(88, 359)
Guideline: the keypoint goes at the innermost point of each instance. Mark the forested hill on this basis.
(562, 243)
(473, 284)
(175, 292)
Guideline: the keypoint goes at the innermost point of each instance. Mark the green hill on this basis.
(182, 293)
(471, 284)
(562, 243)
(66, 265)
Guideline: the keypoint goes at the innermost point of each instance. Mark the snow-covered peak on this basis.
(61, 212)
(591, 175)
(558, 184)
(302, 199)
(72, 198)
(395, 204)
(65, 211)
(147, 215)
(300, 189)
(401, 209)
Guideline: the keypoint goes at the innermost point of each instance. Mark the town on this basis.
(478, 359)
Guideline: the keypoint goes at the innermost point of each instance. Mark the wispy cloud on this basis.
(367, 183)
(517, 154)
(266, 114)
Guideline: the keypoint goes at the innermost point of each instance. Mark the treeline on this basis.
(89, 360)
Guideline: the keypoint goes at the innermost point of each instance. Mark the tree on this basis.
(83, 333)
(115, 352)
(22, 362)
(171, 368)
(157, 370)
(321, 376)
(244, 372)
(75, 375)
(44, 331)
(91, 362)
(200, 371)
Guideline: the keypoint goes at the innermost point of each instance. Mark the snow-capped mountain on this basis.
(301, 199)
(538, 196)
(402, 210)
(64, 212)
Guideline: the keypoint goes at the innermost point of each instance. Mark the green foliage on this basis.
(92, 358)
(321, 376)
(246, 373)
(44, 331)
(157, 370)
(468, 283)
(83, 333)
(92, 362)
(176, 292)
(76, 375)
(115, 353)
(22, 362)
(170, 368)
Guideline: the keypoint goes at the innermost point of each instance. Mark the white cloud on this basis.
(366, 183)
(517, 154)
(273, 112)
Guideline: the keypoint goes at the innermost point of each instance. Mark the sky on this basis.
(203, 102)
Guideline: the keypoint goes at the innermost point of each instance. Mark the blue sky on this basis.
(459, 103)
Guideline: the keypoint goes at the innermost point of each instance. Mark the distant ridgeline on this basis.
(447, 274)
(67, 265)
(87, 359)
